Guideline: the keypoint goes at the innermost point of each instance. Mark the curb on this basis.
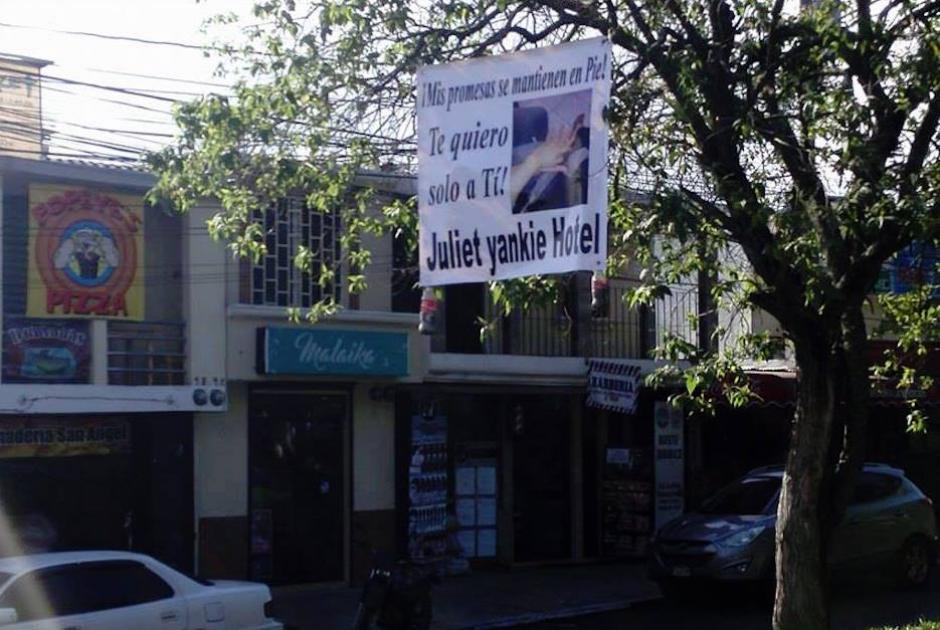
(558, 613)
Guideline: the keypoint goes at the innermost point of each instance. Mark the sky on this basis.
(71, 111)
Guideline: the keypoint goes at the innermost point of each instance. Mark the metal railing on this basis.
(626, 333)
(146, 353)
(677, 314)
(552, 331)
(540, 331)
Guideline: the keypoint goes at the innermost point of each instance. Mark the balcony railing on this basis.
(541, 331)
(146, 353)
(677, 313)
(623, 332)
(626, 332)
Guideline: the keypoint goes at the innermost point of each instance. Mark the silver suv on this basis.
(889, 523)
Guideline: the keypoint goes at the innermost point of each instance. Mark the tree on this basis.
(788, 151)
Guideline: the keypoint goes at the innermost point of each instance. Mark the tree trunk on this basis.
(856, 388)
(802, 598)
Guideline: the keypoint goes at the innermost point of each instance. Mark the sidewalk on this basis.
(486, 599)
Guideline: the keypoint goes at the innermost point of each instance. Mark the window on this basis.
(751, 495)
(874, 487)
(275, 280)
(81, 588)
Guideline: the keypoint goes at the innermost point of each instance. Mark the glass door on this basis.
(297, 462)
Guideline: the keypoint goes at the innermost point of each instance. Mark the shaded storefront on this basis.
(102, 482)
(298, 469)
(533, 475)
(506, 467)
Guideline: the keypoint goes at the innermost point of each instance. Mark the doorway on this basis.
(297, 480)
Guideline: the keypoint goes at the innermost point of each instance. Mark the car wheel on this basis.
(915, 563)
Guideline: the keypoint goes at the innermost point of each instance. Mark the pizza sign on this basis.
(86, 253)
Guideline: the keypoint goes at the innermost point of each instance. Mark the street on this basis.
(855, 607)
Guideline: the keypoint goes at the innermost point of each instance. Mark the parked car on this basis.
(889, 523)
(113, 590)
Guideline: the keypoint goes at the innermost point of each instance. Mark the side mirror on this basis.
(8, 616)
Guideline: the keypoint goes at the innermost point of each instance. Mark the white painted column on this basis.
(220, 441)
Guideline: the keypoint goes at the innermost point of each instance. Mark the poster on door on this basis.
(669, 458)
(427, 488)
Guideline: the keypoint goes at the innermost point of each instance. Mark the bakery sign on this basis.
(85, 253)
(63, 437)
(46, 350)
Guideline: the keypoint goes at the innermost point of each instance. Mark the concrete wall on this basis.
(373, 452)
(220, 488)
(378, 294)
(204, 297)
(373, 473)
(220, 467)
(163, 266)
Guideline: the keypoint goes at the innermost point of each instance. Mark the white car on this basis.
(115, 590)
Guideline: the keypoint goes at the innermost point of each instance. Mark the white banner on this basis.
(669, 453)
(613, 384)
(512, 164)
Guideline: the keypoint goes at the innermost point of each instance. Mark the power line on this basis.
(125, 38)
(159, 78)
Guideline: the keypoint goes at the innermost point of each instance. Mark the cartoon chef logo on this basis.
(86, 253)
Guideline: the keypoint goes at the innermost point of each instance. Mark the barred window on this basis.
(275, 279)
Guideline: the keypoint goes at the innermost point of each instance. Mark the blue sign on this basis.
(914, 266)
(344, 352)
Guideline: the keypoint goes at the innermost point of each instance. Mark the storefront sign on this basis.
(46, 351)
(915, 266)
(63, 437)
(613, 384)
(318, 351)
(86, 254)
(512, 164)
(669, 456)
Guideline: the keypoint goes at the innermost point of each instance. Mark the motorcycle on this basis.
(396, 597)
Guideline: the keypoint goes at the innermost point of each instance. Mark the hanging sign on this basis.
(86, 254)
(613, 384)
(512, 164)
(46, 351)
(669, 455)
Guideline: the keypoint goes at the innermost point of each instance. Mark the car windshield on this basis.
(751, 495)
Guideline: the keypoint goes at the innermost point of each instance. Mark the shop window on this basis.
(275, 279)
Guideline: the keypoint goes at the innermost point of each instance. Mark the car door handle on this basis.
(169, 615)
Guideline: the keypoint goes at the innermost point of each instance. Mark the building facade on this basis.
(97, 390)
